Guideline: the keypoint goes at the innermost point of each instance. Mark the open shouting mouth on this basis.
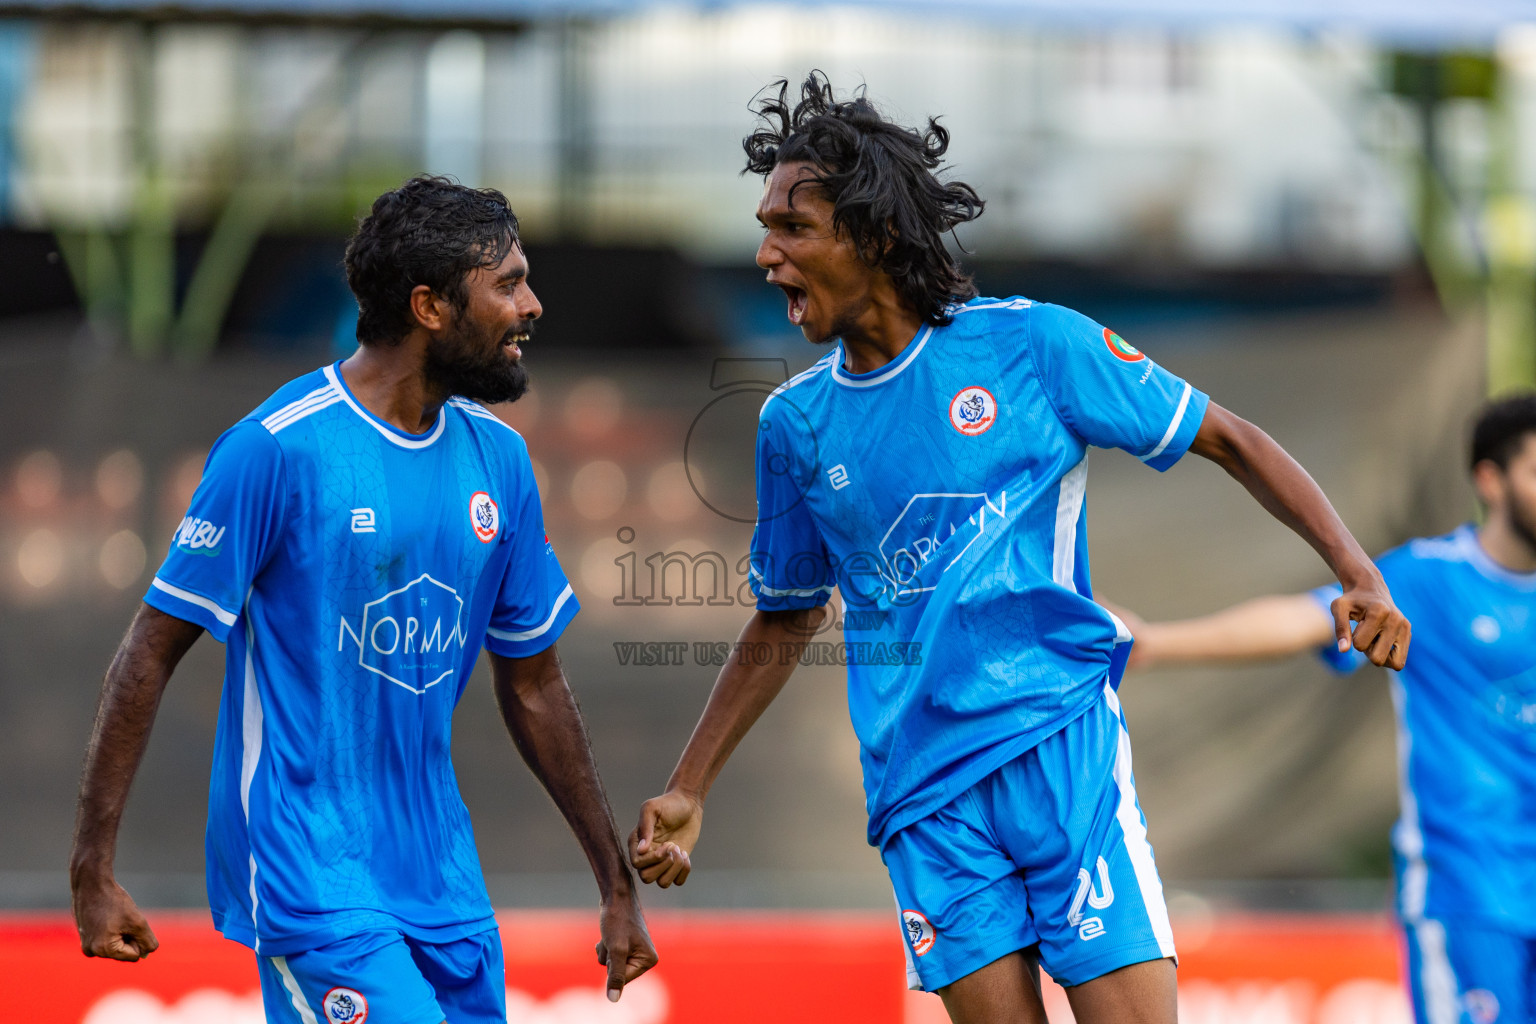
(797, 302)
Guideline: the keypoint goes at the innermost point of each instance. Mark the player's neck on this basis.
(1502, 543)
(389, 382)
(882, 333)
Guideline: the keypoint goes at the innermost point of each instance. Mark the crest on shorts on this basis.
(973, 410)
(345, 1006)
(484, 516)
(920, 934)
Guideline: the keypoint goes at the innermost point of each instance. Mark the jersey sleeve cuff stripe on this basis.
(763, 587)
(1173, 427)
(227, 618)
(537, 631)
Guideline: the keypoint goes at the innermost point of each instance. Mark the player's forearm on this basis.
(546, 726)
(1285, 490)
(742, 692)
(130, 696)
(1266, 627)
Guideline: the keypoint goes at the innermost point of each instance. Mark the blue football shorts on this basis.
(1461, 972)
(388, 978)
(1050, 850)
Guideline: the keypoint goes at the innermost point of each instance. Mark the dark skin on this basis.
(832, 293)
(535, 700)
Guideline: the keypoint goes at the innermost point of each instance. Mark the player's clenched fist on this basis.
(659, 846)
(1365, 617)
(111, 925)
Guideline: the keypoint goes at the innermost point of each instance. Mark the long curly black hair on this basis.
(882, 181)
(432, 231)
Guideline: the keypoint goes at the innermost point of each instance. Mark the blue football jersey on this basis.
(354, 572)
(944, 495)
(1466, 714)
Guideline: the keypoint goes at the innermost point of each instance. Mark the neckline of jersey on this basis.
(880, 374)
(1484, 563)
(391, 432)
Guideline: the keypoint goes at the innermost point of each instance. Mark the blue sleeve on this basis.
(230, 530)
(1343, 662)
(1109, 393)
(535, 602)
(790, 564)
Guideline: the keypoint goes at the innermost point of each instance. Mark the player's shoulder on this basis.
(799, 390)
(1427, 557)
(485, 423)
(297, 400)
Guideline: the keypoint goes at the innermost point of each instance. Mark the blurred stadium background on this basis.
(1321, 213)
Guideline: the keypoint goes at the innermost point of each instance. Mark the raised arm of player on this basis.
(1291, 496)
(541, 715)
(660, 845)
(1265, 627)
(109, 922)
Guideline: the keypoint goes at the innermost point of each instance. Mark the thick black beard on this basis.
(461, 364)
(1523, 522)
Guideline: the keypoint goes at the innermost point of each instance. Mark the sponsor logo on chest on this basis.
(413, 636)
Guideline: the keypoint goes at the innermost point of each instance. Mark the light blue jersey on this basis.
(944, 495)
(1466, 713)
(354, 571)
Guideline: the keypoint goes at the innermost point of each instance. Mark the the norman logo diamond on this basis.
(414, 636)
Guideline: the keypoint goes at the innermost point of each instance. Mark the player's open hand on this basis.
(660, 845)
(625, 948)
(1365, 617)
(110, 923)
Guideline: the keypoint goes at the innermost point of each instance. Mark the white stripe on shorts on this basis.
(1132, 825)
(1442, 994)
(295, 993)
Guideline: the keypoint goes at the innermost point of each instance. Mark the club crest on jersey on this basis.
(973, 411)
(920, 934)
(1121, 348)
(345, 1006)
(484, 516)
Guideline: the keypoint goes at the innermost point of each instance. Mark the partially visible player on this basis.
(1465, 843)
(933, 467)
(355, 541)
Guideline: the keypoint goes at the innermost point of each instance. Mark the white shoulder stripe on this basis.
(469, 408)
(1010, 304)
(539, 630)
(292, 408)
(308, 410)
(800, 378)
(227, 618)
(763, 586)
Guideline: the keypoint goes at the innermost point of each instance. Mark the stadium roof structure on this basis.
(1426, 24)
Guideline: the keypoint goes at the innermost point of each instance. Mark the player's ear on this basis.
(1488, 480)
(428, 308)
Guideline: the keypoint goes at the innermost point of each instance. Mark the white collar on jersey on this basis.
(394, 434)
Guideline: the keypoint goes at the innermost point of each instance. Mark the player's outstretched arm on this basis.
(546, 725)
(1265, 627)
(661, 844)
(1279, 484)
(110, 923)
